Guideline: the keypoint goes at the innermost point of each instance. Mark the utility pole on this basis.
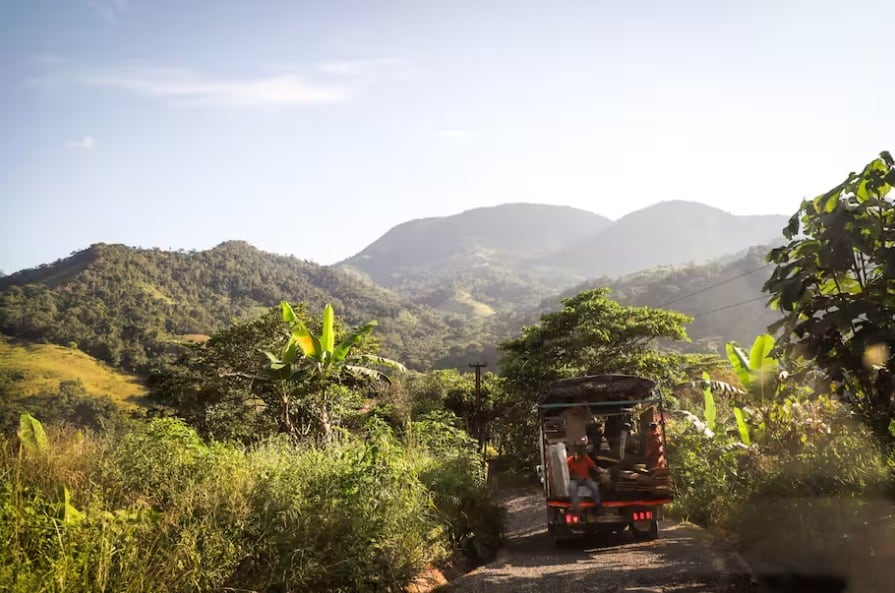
(479, 432)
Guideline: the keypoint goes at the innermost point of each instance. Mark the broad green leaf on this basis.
(710, 413)
(309, 344)
(271, 357)
(872, 181)
(759, 355)
(288, 314)
(351, 340)
(740, 363)
(31, 434)
(792, 227)
(327, 335)
(290, 353)
(742, 426)
(70, 514)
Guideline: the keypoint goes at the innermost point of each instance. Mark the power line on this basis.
(707, 288)
(730, 306)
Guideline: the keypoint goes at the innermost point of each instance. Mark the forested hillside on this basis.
(724, 299)
(126, 306)
(509, 234)
(479, 261)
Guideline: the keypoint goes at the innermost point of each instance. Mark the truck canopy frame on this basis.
(602, 391)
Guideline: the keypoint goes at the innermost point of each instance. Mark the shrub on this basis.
(451, 468)
(156, 509)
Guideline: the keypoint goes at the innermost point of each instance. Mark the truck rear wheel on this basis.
(643, 532)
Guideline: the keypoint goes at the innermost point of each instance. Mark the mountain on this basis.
(667, 233)
(127, 306)
(477, 260)
(504, 235)
(457, 285)
(509, 258)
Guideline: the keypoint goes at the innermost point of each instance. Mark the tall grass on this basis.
(159, 510)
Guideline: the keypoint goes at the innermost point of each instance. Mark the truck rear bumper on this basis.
(562, 521)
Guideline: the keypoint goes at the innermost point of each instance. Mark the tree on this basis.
(215, 385)
(834, 281)
(321, 364)
(591, 334)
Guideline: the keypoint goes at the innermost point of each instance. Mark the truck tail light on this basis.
(643, 516)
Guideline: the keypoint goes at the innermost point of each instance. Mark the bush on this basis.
(453, 471)
(804, 449)
(156, 509)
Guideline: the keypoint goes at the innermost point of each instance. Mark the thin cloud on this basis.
(108, 9)
(381, 66)
(188, 88)
(452, 134)
(85, 143)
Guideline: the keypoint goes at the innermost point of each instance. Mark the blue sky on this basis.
(311, 128)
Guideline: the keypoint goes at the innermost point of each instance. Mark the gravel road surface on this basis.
(685, 559)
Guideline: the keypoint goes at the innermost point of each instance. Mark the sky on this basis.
(311, 128)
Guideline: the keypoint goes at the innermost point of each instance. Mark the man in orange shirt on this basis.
(580, 466)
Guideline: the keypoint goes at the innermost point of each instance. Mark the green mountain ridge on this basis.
(127, 306)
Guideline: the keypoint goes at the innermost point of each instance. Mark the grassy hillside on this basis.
(35, 369)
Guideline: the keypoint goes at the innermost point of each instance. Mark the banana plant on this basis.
(321, 363)
(757, 370)
(708, 424)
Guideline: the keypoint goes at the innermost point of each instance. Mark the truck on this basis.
(624, 435)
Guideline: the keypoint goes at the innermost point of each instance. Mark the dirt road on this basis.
(685, 559)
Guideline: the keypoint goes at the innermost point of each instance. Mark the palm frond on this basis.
(717, 387)
(696, 423)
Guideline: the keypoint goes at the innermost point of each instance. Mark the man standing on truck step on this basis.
(580, 466)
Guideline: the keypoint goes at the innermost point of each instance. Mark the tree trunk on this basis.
(286, 424)
(324, 419)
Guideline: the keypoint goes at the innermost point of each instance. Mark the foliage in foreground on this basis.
(833, 282)
(159, 510)
(775, 437)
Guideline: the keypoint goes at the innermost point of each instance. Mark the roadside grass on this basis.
(36, 369)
